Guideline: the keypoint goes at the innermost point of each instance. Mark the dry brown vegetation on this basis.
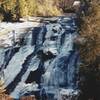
(37, 8)
(2, 90)
(23, 8)
(14, 9)
(90, 54)
(90, 30)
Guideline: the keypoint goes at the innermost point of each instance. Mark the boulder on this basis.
(32, 97)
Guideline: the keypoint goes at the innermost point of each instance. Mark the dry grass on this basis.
(48, 9)
(90, 29)
(2, 88)
(24, 8)
(3, 95)
(36, 8)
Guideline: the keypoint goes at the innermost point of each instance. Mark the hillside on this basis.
(13, 9)
(90, 53)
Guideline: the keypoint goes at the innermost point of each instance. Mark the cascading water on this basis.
(46, 63)
(61, 73)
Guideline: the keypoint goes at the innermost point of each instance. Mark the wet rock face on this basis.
(52, 39)
(47, 61)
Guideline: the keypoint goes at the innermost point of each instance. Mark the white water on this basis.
(15, 64)
(57, 60)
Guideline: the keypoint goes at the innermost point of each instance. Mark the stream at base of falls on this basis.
(45, 64)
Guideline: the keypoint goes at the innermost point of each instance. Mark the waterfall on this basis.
(46, 63)
(62, 71)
